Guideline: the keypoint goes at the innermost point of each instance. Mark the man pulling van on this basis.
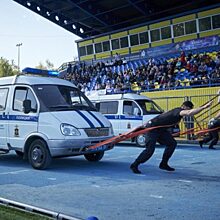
(45, 117)
(125, 111)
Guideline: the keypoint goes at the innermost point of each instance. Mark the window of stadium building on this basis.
(205, 24)
(106, 46)
(178, 30)
(144, 38)
(165, 32)
(89, 49)
(98, 48)
(115, 44)
(124, 42)
(134, 40)
(190, 27)
(82, 51)
(216, 21)
(155, 35)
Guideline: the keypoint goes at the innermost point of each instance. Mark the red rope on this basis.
(135, 132)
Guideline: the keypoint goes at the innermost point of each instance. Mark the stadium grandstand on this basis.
(167, 50)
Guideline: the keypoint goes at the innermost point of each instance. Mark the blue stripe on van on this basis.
(124, 117)
(102, 125)
(87, 120)
(19, 118)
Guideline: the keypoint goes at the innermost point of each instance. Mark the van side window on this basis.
(107, 107)
(129, 108)
(22, 93)
(3, 98)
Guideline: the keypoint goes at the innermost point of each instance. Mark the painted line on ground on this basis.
(184, 181)
(14, 172)
(156, 196)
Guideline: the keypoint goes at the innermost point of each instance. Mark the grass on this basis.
(9, 213)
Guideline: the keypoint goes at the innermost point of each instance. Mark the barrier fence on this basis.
(200, 120)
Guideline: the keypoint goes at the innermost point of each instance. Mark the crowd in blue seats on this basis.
(171, 72)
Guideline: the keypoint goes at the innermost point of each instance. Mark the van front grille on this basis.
(97, 132)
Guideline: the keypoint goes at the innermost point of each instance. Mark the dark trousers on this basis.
(161, 136)
(213, 137)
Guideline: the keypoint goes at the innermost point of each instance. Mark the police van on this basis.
(125, 111)
(46, 117)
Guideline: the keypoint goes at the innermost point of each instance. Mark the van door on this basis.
(110, 110)
(3, 118)
(21, 124)
(131, 116)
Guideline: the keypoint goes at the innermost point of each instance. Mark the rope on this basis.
(141, 130)
(135, 132)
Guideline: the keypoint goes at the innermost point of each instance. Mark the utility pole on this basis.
(19, 45)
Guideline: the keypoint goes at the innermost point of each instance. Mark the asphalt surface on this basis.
(110, 191)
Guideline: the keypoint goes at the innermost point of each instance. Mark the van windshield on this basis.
(62, 98)
(149, 107)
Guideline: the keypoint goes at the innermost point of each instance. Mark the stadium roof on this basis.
(87, 18)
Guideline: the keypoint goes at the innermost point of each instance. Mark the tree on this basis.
(6, 69)
(48, 66)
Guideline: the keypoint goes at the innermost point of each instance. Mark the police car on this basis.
(46, 117)
(125, 111)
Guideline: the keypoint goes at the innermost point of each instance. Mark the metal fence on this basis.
(200, 121)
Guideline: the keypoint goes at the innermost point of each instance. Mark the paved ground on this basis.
(110, 191)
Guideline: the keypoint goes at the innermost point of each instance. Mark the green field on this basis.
(8, 213)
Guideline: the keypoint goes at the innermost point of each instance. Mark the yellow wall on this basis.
(187, 37)
(136, 49)
(199, 95)
(174, 98)
(138, 30)
(103, 55)
(84, 43)
(120, 34)
(161, 42)
(159, 25)
(184, 18)
(121, 51)
(89, 57)
(210, 33)
(209, 12)
(101, 39)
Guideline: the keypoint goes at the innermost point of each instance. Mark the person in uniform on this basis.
(163, 135)
(213, 135)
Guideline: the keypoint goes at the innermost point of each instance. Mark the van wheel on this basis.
(94, 156)
(38, 155)
(141, 140)
(19, 153)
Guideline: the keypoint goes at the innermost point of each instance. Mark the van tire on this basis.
(38, 155)
(94, 157)
(141, 140)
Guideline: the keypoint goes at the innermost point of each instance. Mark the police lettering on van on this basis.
(125, 111)
(46, 117)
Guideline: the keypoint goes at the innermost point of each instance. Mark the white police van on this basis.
(46, 117)
(125, 111)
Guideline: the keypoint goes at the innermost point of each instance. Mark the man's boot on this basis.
(134, 168)
(165, 166)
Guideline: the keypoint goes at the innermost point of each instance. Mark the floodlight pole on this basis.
(19, 45)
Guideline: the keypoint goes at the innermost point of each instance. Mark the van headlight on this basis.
(69, 130)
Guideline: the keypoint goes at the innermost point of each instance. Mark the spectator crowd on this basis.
(185, 70)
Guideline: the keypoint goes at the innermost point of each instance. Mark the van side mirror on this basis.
(27, 106)
(136, 111)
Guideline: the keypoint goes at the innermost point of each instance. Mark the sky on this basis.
(41, 39)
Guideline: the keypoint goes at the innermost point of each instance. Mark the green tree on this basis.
(49, 66)
(6, 69)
